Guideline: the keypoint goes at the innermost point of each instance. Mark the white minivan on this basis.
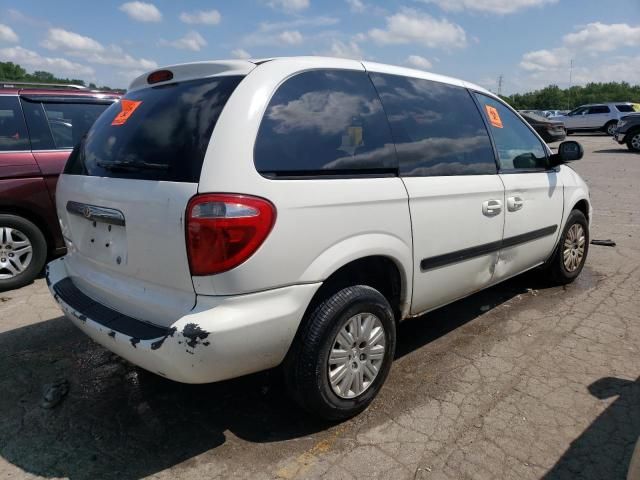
(228, 217)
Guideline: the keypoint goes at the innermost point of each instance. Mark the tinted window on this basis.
(598, 109)
(13, 132)
(39, 131)
(437, 128)
(578, 111)
(625, 108)
(157, 133)
(324, 122)
(70, 121)
(518, 147)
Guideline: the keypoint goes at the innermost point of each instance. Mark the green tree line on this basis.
(10, 71)
(556, 98)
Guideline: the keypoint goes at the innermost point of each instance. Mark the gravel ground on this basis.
(543, 384)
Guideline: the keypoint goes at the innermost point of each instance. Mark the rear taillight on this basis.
(223, 230)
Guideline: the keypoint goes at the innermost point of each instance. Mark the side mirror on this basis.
(568, 151)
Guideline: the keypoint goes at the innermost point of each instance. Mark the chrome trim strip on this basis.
(96, 214)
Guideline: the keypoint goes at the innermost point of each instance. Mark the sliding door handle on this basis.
(515, 203)
(491, 207)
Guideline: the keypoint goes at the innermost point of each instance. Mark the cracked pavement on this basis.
(543, 384)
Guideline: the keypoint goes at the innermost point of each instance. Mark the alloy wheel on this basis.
(574, 245)
(356, 355)
(16, 252)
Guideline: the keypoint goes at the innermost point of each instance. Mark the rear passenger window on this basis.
(325, 122)
(518, 147)
(437, 128)
(13, 132)
(625, 108)
(598, 109)
(70, 121)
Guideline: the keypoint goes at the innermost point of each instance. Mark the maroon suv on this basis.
(38, 129)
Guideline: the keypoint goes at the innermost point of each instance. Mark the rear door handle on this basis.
(515, 203)
(491, 207)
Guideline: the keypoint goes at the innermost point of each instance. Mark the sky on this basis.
(530, 43)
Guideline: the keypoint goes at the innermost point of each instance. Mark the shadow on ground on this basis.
(123, 423)
(604, 449)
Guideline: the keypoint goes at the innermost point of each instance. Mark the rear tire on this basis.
(571, 253)
(23, 251)
(610, 128)
(633, 143)
(358, 315)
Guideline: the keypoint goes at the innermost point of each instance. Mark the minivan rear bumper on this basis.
(221, 338)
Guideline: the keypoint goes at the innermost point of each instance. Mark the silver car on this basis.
(596, 117)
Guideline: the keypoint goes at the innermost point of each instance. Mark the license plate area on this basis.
(98, 233)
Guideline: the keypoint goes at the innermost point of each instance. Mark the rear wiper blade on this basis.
(132, 166)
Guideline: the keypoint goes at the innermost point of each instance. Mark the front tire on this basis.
(23, 251)
(342, 354)
(571, 253)
(633, 143)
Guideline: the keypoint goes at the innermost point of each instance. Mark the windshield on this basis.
(157, 133)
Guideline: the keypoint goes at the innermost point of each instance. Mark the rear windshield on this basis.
(625, 108)
(158, 133)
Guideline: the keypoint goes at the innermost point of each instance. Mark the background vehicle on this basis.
(292, 211)
(596, 117)
(38, 128)
(550, 130)
(628, 131)
(554, 113)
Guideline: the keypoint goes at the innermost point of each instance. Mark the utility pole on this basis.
(500, 79)
(570, 81)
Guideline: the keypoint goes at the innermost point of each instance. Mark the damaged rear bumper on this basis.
(222, 337)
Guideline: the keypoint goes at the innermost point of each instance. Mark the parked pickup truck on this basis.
(628, 131)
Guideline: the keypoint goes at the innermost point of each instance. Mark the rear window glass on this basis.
(158, 133)
(55, 125)
(437, 128)
(322, 123)
(625, 108)
(13, 132)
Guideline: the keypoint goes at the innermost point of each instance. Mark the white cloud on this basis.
(141, 11)
(205, 17)
(419, 62)
(600, 37)
(115, 56)
(289, 5)
(500, 7)
(191, 41)
(346, 50)
(92, 51)
(7, 34)
(543, 60)
(356, 6)
(290, 37)
(240, 53)
(55, 65)
(412, 26)
(592, 39)
(60, 39)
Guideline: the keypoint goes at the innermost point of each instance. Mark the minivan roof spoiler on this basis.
(195, 70)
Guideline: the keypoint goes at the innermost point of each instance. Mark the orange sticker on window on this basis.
(127, 107)
(494, 116)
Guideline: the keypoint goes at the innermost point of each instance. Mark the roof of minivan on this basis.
(243, 67)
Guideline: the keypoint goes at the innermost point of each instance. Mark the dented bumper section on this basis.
(220, 338)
